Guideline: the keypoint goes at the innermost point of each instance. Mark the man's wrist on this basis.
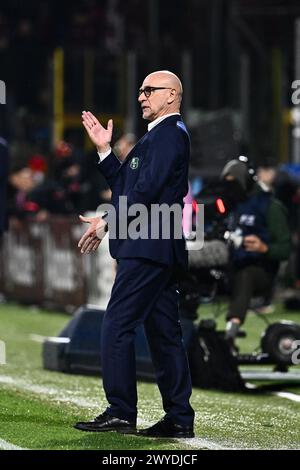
(103, 155)
(103, 149)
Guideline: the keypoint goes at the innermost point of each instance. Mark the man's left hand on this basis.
(254, 243)
(92, 238)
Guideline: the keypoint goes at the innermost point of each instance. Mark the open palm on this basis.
(100, 136)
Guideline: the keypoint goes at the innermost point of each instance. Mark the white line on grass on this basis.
(49, 391)
(37, 338)
(4, 445)
(55, 394)
(288, 396)
(198, 443)
(270, 375)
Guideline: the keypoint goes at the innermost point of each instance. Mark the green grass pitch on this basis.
(39, 408)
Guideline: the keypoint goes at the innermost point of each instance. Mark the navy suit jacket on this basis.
(154, 172)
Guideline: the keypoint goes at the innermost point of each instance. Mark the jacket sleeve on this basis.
(109, 167)
(280, 245)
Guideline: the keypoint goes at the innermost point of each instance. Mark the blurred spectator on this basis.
(123, 145)
(3, 182)
(21, 184)
(29, 195)
(4, 165)
(72, 187)
(266, 175)
(33, 192)
(38, 165)
(68, 174)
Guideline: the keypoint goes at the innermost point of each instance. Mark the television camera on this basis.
(208, 281)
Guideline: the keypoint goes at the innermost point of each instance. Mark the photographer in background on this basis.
(260, 235)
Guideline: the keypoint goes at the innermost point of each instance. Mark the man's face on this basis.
(233, 191)
(158, 103)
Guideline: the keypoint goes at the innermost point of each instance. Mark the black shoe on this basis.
(232, 330)
(166, 428)
(106, 422)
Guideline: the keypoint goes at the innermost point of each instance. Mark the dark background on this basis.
(242, 55)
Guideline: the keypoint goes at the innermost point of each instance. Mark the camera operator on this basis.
(259, 230)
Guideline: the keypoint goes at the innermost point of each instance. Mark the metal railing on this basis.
(41, 264)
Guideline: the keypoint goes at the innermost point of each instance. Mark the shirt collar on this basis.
(264, 187)
(159, 119)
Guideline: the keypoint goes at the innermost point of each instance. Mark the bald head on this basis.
(166, 95)
(167, 78)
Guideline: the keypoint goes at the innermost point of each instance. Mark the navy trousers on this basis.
(145, 292)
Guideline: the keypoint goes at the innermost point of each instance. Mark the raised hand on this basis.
(100, 136)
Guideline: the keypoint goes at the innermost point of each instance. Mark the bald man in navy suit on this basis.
(145, 291)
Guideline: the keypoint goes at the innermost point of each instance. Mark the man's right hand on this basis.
(92, 238)
(100, 136)
(254, 243)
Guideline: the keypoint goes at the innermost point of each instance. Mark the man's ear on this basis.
(172, 96)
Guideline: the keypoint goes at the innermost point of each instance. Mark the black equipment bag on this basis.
(212, 364)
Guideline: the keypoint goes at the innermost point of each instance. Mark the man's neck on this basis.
(161, 118)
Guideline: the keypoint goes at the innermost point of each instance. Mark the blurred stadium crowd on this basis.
(59, 180)
(46, 179)
(63, 183)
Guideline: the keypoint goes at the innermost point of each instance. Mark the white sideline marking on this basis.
(5, 379)
(37, 338)
(4, 445)
(41, 339)
(268, 375)
(199, 443)
(288, 396)
(59, 395)
(53, 392)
